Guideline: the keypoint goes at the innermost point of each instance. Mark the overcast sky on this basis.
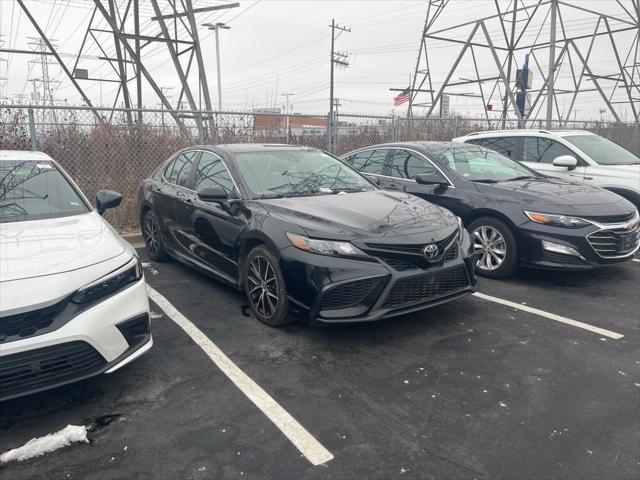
(276, 47)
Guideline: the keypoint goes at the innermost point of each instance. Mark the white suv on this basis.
(574, 155)
(73, 300)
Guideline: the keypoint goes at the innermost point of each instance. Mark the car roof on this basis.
(422, 146)
(253, 147)
(6, 155)
(529, 131)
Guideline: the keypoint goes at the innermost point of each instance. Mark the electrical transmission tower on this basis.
(117, 23)
(45, 98)
(560, 46)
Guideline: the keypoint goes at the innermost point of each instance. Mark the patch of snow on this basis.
(590, 452)
(502, 404)
(49, 443)
(403, 470)
(622, 373)
(406, 381)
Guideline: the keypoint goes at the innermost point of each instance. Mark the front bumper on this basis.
(325, 289)
(596, 246)
(99, 339)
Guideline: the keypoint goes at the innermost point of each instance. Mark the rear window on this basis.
(31, 190)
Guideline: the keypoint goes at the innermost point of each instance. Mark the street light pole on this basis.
(215, 27)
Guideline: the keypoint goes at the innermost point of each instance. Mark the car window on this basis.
(478, 164)
(212, 172)
(31, 190)
(406, 164)
(476, 141)
(297, 172)
(369, 161)
(507, 146)
(543, 150)
(179, 171)
(603, 151)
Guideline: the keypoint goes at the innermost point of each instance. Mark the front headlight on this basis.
(557, 220)
(129, 273)
(324, 247)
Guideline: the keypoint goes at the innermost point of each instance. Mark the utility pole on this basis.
(341, 60)
(552, 61)
(136, 26)
(215, 27)
(286, 122)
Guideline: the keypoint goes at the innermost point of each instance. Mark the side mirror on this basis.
(430, 179)
(212, 194)
(107, 199)
(566, 161)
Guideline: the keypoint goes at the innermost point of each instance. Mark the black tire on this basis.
(489, 249)
(264, 286)
(152, 238)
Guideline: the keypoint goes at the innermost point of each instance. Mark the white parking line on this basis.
(551, 316)
(289, 426)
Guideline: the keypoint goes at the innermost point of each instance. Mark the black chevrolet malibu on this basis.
(515, 215)
(301, 232)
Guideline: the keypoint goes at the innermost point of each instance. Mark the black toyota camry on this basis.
(515, 215)
(300, 231)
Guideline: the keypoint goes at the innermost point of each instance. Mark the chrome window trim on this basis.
(238, 191)
(451, 185)
(212, 153)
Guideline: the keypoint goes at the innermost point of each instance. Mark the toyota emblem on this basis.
(430, 251)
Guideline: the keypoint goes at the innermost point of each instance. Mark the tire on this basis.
(264, 286)
(152, 238)
(496, 245)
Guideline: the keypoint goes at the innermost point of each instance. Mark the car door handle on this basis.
(181, 194)
(392, 186)
(589, 178)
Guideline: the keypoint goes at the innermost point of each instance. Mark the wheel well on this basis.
(467, 219)
(143, 212)
(246, 246)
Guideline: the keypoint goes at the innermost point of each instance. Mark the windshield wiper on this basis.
(485, 180)
(522, 177)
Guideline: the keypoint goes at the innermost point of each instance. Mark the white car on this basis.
(73, 299)
(574, 155)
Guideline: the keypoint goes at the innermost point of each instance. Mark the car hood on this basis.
(40, 248)
(372, 214)
(558, 196)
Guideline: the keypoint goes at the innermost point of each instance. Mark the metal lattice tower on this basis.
(117, 23)
(559, 55)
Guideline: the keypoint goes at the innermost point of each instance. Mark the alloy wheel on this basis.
(263, 286)
(490, 246)
(151, 234)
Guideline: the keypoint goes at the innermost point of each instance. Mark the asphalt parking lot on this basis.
(471, 389)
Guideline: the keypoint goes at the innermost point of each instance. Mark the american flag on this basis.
(403, 96)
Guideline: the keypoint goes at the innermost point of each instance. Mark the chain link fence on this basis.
(116, 148)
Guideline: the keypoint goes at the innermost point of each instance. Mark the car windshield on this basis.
(290, 173)
(603, 151)
(31, 190)
(478, 164)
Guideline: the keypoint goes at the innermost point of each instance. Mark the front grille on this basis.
(611, 218)
(348, 294)
(412, 248)
(397, 264)
(562, 258)
(407, 291)
(33, 370)
(614, 243)
(27, 324)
